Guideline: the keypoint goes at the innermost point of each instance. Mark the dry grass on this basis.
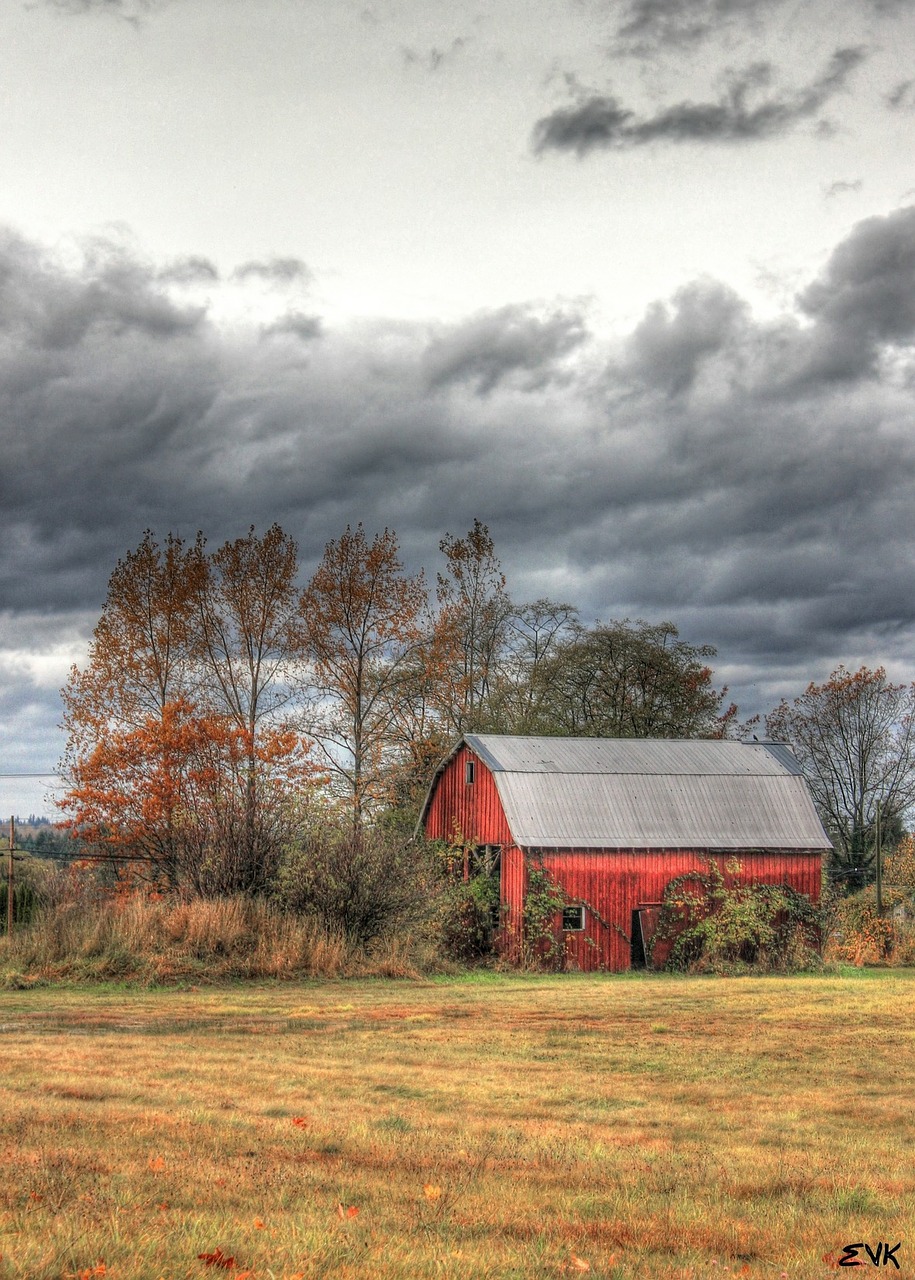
(508, 1127)
(151, 941)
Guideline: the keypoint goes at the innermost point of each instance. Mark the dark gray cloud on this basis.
(434, 58)
(497, 345)
(864, 300)
(902, 96)
(115, 293)
(672, 343)
(647, 28)
(193, 269)
(841, 188)
(277, 271)
(646, 25)
(741, 114)
(296, 324)
(129, 10)
(754, 481)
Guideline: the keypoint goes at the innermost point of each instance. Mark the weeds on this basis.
(147, 939)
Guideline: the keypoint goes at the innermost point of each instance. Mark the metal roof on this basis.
(636, 793)
(693, 756)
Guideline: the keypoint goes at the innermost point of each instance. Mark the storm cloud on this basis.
(742, 113)
(651, 27)
(649, 24)
(752, 480)
(277, 271)
(489, 348)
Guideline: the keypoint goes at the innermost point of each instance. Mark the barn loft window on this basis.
(469, 771)
(573, 919)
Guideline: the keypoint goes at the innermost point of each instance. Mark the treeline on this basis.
(225, 709)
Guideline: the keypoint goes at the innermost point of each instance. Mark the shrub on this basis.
(148, 938)
(859, 935)
(468, 917)
(899, 868)
(365, 884)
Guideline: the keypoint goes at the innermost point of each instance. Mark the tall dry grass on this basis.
(156, 940)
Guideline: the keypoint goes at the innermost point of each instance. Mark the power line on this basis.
(49, 773)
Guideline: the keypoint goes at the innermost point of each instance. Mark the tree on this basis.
(474, 609)
(249, 642)
(132, 698)
(177, 752)
(628, 680)
(363, 618)
(535, 633)
(854, 737)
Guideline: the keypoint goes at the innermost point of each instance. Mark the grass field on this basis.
(640, 1126)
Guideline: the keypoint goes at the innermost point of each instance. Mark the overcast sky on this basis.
(632, 281)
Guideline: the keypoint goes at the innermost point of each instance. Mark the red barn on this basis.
(613, 820)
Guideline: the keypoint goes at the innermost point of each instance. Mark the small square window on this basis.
(469, 770)
(573, 919)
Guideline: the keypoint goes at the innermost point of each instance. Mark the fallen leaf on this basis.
(259, 1224)
(156, 1163)
(217, 1259)
(431, 1192)
(301, 1122)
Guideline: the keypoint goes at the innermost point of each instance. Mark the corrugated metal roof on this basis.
(508, 753)
(628, 793)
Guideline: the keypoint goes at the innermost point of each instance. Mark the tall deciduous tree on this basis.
(177, 751)
(250, 640)
(535, 634)
(474, 611)
(629, 680)
(854, 737)
(132, 700)
(363, 618)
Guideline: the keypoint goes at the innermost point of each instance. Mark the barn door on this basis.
(637, 958)
(644, 923)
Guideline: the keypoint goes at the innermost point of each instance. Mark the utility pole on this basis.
(879, 853)
(9, 881)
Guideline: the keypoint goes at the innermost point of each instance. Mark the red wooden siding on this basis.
(468, 812)
(610, 883)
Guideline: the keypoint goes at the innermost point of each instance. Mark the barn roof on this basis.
(637, 793)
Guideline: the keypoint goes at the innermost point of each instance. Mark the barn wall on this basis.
(613, 883)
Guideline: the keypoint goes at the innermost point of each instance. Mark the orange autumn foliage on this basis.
(177, 757)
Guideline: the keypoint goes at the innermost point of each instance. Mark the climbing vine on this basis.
(710, 923)
(541, 948)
